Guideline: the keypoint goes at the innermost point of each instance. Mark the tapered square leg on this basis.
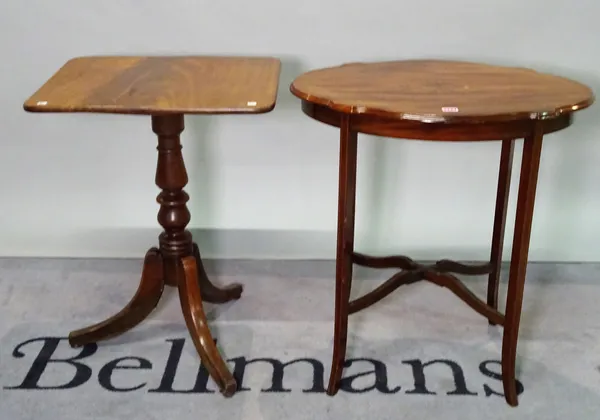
(345, 248)
(502, 194)
(532, 147)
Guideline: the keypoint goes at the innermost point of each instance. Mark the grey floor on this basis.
(286, 314)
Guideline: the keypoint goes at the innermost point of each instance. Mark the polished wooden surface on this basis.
(160, 85)
(190, 295)
(440, 90)
(405, 100)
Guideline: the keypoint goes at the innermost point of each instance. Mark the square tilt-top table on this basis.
(166, 88)
(447, 101)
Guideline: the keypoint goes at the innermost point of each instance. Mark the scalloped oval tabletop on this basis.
(442, 91)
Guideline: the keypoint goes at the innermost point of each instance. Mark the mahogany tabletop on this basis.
(442, 91)
(160, 85)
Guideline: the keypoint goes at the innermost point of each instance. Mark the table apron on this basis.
(443, 131)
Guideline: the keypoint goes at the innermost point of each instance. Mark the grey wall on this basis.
(82, 185)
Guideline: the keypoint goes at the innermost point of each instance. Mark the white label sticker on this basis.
(449, 109)
(251, 103)
(41, 103)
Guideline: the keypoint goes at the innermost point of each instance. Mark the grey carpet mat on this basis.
(419, 354)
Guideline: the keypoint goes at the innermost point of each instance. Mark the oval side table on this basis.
(446, 101)
(166, 88)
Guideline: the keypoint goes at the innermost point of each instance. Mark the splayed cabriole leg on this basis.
(139, 307)
(532, 148)
(176, 263)
(195, 319)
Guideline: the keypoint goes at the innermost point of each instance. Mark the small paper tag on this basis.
(251, 103)
(42, 103)
(449, 109)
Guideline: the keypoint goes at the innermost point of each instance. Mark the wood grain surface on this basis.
(440, 91)
(160, 85)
